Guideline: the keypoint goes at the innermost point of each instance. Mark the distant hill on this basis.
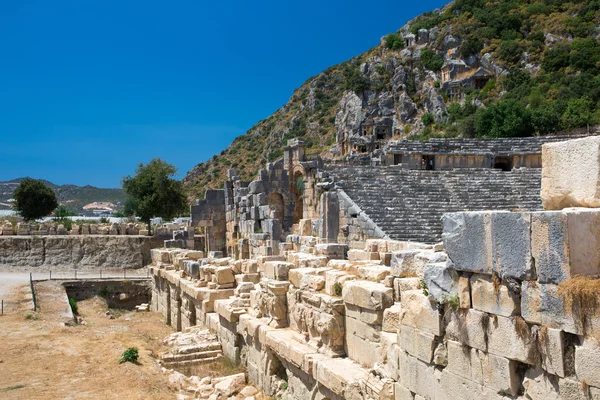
(72, 196)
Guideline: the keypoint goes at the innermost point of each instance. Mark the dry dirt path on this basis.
(41, 359)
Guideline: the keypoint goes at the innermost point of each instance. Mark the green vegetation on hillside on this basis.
(544, 55)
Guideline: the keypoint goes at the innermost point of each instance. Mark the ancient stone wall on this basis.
(86, 252)
(507, 307)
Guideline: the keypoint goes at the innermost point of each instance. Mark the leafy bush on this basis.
(73, 305)
(394, 41)
(428, 119)
(355, 81)
(556, 58)
(585, 54)
(510, 51)
(130, 355)
(431, 60)
(470, 47)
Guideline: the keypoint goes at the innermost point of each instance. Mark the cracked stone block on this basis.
(418, 312)
(494, 300)
(441, 280)
(468, 240)
(511, 237)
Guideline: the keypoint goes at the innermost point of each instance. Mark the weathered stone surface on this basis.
(541, 304)
(85, 252)
(418, 312)
(442, 281)
(512, 338)
(468, 327)
(511, 237)
(494, 372)
(410, 263)
(571, 174)
(391, 318)
(587, 361)
(494, 300)
(550, 246)
(369, 295)
(467, 239)
(552, 349)
(417, 343)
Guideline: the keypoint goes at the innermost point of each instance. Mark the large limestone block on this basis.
(339, 375)
(511, 237)
(550, 246)
(391, 318)
(494, 372)
(541, 304)
(512, 338)
(587, 361)
(452, 386)
(410, 263)
(468, 327)
(494, 300)
(571, 174)
(418, 312)
(373, 273)
(371, 333)
(564, 244)
(552, 350)
(418, 377)
(467, 238)
(417, 343)
(369, 295)
(277, 270)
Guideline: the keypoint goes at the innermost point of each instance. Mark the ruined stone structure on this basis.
(86, 252)
(507, 307)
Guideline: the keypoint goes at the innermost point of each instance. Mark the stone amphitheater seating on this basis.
(408, 204)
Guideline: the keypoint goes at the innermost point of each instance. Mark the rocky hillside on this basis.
(72, 196)
(473, 69)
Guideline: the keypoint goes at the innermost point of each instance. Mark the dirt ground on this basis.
(40, 359)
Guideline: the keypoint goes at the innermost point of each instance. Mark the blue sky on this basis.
(90, 88)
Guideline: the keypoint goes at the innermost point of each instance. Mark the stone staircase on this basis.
(193, 347)
(408, 204)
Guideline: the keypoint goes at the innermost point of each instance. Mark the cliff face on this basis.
(473, 68)
(62, 253)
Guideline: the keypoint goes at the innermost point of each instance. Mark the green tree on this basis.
(508, 118)
(579, 113)
(155, 192)
(431, 60)
(33, 199)
(394, 41)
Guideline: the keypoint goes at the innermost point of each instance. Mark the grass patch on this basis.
(130, 355)
(581, 293)
(15, 387)
(73, 305)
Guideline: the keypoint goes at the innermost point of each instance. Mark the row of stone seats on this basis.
(477, 146)
(408, 204)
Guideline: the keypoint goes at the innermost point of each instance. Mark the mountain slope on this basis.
(72, 196)
(473, 69)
